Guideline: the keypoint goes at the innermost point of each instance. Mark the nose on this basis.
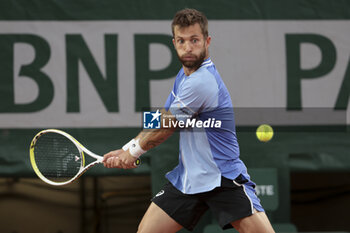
(188, 47)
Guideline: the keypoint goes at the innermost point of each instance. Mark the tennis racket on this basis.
(59, 159)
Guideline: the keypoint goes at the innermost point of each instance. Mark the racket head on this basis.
(56, 157)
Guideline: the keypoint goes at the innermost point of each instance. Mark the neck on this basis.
(189, 70)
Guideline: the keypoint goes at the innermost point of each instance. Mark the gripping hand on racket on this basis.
(119, 159)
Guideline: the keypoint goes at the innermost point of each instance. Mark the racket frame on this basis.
(80, 148)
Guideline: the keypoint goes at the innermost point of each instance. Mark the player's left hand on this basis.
(119, 159)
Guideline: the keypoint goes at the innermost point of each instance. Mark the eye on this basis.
(194, 41)
(180, 41)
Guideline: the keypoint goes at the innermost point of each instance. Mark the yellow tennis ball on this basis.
(264, 133)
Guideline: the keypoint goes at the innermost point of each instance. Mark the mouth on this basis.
(189, 57)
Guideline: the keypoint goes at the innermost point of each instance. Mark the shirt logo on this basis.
(151, 120)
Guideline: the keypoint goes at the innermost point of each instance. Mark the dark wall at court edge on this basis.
(89, 68)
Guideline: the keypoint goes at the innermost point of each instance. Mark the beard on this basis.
(195, 63)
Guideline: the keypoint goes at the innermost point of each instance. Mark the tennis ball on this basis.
(264, 133)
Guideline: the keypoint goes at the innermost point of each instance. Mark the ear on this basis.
(173, 42)
(208, 40)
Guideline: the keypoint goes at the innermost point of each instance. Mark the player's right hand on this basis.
(119, 159)
(108, 159)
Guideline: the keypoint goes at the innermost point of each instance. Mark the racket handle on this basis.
(136, 163)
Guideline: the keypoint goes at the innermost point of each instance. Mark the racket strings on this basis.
(57, 157)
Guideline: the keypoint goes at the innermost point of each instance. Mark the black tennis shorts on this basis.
(231, 201)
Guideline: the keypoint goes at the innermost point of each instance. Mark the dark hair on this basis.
(188, 17)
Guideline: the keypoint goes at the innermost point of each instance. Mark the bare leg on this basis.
(256, 223)
(156, 220)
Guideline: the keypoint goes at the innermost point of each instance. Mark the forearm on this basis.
(150, 138)
(146, 140)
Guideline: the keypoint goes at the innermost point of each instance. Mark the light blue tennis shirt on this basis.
(205, 154)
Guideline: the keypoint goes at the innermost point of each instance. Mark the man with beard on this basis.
(210, 174)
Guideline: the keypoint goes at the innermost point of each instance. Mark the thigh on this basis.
(256, 223)
(156, 220)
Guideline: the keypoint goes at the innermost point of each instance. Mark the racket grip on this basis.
(136, 163)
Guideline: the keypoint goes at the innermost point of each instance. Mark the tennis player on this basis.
(210, 174)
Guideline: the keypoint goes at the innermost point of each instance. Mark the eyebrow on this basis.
(193, 36)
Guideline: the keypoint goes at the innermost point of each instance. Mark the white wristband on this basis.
(134, 148)
(127, 145)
